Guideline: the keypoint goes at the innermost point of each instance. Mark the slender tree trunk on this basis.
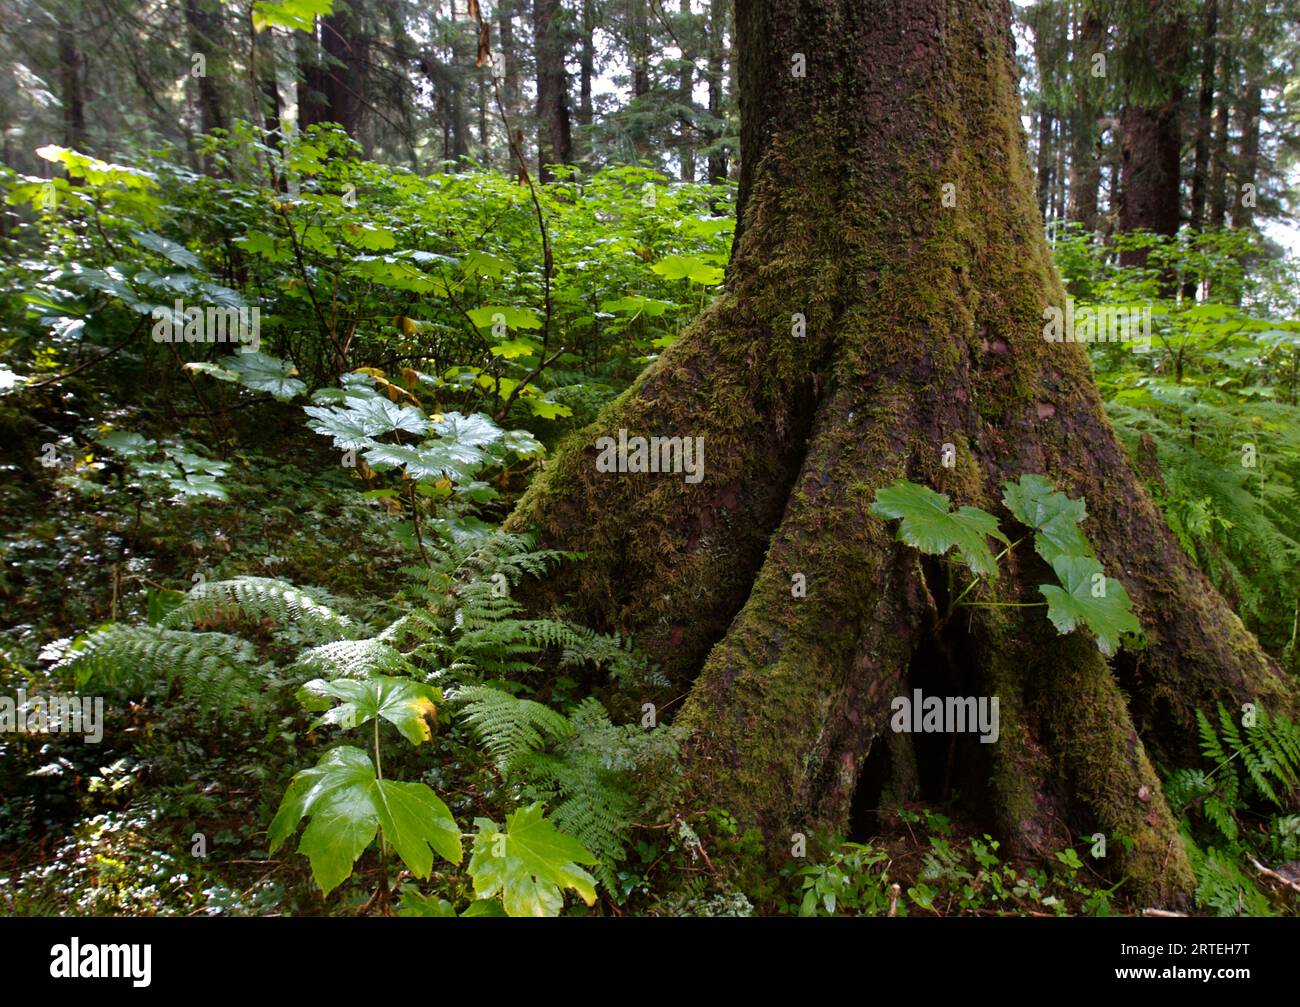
(586, 63)
(206, 38)
(1046, 50)
(307, 57)
(266, 88)
(554, 140)
(510, 83)
(1150, 128)
(1085, 137)
(1243, 204)
(457, 104)
(922, 326)
(1218, 197)
(718, 10)
(1062, 168)
(1043, 155)
(685, 99)
(345, 80)
(1204, 125)
(401, 90)
(72, 95)
(639, 47)
(1204, 115)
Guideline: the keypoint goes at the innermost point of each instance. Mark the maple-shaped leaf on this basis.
(409, 706)
(1087, 597)
(257, 371)
(347, 804)
(430, 460)
(1053, 516)
(928, 524)
(530, 864)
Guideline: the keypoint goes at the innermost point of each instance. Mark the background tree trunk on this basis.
(587, 63)
(554, 140)
(345, 82)
(71, 93)
(1085, 139)
(685, 89)
(718, 11)
(1150, 127)
(1243, 209)
(205, 37)
(1205, 114)
(1219, 142)
(923, 328)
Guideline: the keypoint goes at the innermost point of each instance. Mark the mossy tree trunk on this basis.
(924, 328)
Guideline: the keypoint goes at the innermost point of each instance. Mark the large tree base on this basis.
(901, 229)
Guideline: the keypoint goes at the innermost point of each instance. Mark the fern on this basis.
(217, 672)
(352, 659)
(1252, 762)
(509, 727)
(1221, 884)
(581, 766)
(258, 598)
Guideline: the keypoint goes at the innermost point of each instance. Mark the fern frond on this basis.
(216, 671)
(507, 726)
(351, 659)
(258, 598)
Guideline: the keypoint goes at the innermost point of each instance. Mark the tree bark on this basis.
(1243, 205)
(685, 96)
(506, 32)
(638, 47)
(1219, 142)
(923, 329)
(1085, 138)
(345, 81)
(1204, 115)
(554, 138)
(72, 94)
(1046, 49)
(586, 62)
(204, 20)
(1150, 128)
(718, 10)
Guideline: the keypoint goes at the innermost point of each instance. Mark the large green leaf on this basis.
(929, 525)
(257, 371)
(409, 706)
(393, 272)
(1088, 598)
(368, 236)
(475, 430)
(478, 263)
(347, 804)
(168, 249)
(428, 461)
(688, 267)
(127, 443)
(1055, 518)
(360, 418)
(514, 318)
(529, 866)
(292, 14)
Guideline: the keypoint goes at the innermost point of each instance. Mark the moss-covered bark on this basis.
(886, 197)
